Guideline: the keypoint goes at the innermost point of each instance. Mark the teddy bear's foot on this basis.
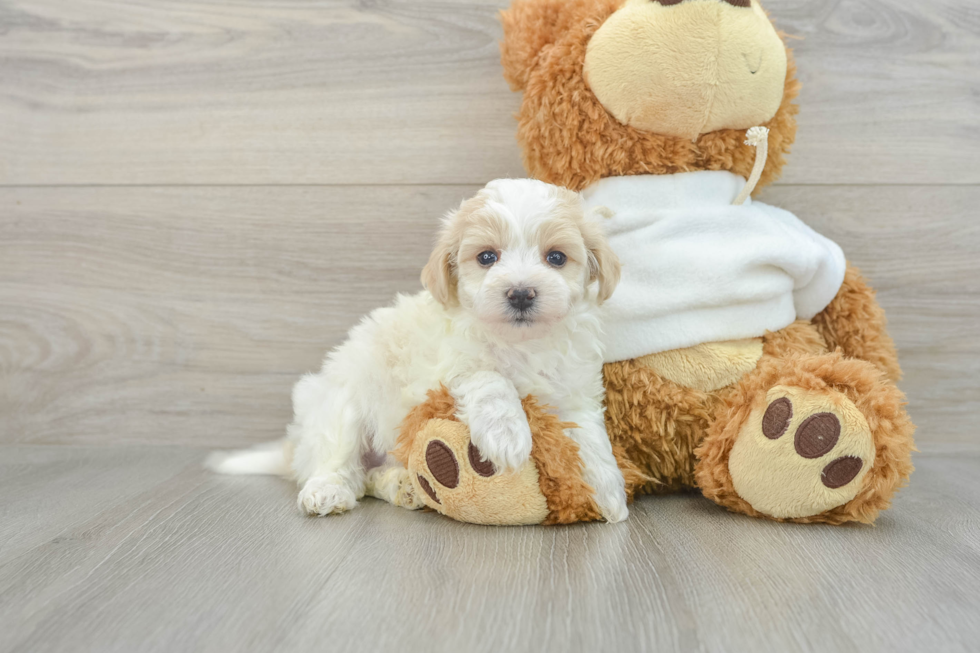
(809, 439)
(806, 453)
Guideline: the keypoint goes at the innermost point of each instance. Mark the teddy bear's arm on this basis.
(855, 322)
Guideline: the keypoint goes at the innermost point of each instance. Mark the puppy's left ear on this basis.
(439, 274)
(604, 265)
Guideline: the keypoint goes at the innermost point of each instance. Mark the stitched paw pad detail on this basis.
(804, 454)
(452, 476)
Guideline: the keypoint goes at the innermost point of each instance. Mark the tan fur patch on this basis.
(708, 366)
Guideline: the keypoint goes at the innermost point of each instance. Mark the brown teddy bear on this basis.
(746, 359)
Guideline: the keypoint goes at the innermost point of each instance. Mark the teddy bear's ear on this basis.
(529, 26)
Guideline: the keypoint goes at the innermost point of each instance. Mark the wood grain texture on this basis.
(174, 559)
(163, 315)
(330, 92)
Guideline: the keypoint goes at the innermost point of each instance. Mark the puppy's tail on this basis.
(272, 458)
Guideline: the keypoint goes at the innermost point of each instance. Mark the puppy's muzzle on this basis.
(521, 299)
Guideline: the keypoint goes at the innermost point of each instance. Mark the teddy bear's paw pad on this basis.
(322, 495)
(442, 467)
(441, 461)
(427, 488)
(804, 454)
(481, 466)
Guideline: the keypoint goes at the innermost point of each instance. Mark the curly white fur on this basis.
(464, 332)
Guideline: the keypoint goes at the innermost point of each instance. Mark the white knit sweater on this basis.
(698, 269)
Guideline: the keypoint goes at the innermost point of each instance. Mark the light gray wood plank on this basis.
(197, 562)
(48, 491)
(185, 315)
(171, 316)
(331, 92)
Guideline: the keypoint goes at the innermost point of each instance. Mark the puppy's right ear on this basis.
(529, 26)
(439, 274)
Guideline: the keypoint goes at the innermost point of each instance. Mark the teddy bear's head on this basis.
(625, 87)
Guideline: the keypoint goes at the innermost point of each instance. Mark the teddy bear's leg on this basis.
(656, 424)
(855, 322)
(819, 438)
(392, 483)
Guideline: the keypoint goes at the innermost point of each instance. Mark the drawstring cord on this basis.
(758, 137)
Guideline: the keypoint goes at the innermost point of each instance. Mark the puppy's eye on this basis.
(556, 258)
(487, 258)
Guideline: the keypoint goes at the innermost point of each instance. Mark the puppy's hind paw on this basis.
(394, 485)
(323, 496)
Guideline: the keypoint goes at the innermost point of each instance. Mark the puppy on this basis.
(510, 309)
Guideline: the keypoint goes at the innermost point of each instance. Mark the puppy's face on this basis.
(519, 256)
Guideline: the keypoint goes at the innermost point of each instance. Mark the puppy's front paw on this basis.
(504, 442)
(322, 495)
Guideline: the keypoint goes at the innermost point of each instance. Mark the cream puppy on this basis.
(510, 309)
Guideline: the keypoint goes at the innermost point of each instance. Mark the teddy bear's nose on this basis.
(734, 3)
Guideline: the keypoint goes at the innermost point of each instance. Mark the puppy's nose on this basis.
(521, 298)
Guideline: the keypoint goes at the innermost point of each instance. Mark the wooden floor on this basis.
(198, 199)
(109, 548)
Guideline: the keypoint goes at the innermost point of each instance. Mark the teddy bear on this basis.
(746, 359)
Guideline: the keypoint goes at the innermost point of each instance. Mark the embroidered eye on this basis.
(556, 258)
(487, 258)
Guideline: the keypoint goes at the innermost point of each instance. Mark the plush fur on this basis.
(855, 322)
